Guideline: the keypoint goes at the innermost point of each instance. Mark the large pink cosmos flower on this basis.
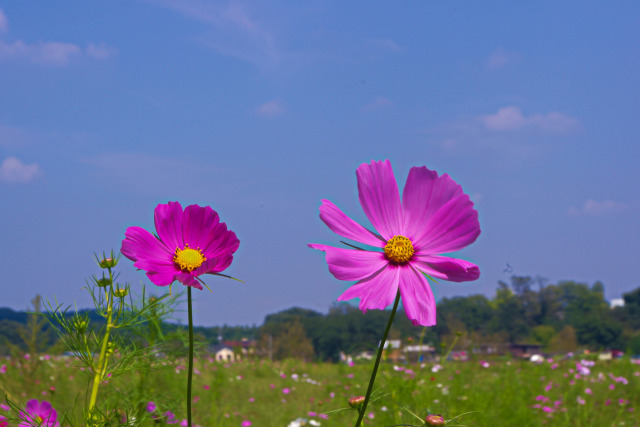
(40, 414)
(434, 217)
(189, 243)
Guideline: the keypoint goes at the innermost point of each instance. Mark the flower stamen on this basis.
(399, 249)
(188, 259)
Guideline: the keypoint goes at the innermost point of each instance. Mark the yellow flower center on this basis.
(399, 249)
(189, 259)
(39, 420)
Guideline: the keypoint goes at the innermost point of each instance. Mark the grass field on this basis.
(257, 393)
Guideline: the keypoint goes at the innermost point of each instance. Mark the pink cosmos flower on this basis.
(40, 414)
(434, 217)
(189, 243)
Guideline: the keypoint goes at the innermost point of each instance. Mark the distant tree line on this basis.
(559, 317)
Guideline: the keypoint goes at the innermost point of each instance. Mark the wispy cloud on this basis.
(598, 208)
(142, 173)
(378, 103)
(271, 108)
(500, 58)
(507, 134)
(233, 30)
(48, 52)
(4, 23)
(388, 44)
(14, 171)
(511, 119)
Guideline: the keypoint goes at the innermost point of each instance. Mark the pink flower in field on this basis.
(246, 423)
(547, 409)
(554, 366)
(588, 391)
(190, 243)
(151, 407)
(286, 391)
(171, 417)
(612, 387)
(3, 369)
(40, 414)
(582, 369)
(206, 387)
(607, 402)
(5, 407)
(580, 400)
(434, 217)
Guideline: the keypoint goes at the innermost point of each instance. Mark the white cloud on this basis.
(13, 170)
(500, 58)
(100, 51)
(598, 208)
(4, 23)
(511, 118)
(233, 30)
(51, 53)
(271, 108)
(48, 52)
(389, 44)
(378, 103)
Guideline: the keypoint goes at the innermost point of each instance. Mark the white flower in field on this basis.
(436, 368)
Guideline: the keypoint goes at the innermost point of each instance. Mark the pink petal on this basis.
(168, 220)
(147, 252)
(453, 226)
(341, 224)
(379, 197)
(425, 193)
(214, 265)
(219, 241)
(197, 222)
(188, 279)
(32, 407)
(417, 298)
(44, 410)
(451, 269)
(162, 278)
(351, 264)
(376, 291)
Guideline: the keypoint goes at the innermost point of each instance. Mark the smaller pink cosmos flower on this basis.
(40, 414)
(190, 243)
(246, 423)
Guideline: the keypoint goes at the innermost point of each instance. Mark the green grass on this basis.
(503, 394)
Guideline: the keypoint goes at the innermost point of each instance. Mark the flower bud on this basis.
(120, 293)
(356, 402)
(108, 262)
(434, 420)
(104, 282)
(111, 348)
(80, 325)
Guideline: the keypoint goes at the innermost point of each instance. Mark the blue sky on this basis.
(262, 109)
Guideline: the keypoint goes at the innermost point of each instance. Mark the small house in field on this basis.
(525, 351)
(223, 353)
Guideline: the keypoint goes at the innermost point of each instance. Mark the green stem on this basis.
(375, 366)
(190, 373)
(102, 360)
(446, 356)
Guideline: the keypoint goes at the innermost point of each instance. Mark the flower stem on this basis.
(101, 368)
(378, 357)
(190, 372)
